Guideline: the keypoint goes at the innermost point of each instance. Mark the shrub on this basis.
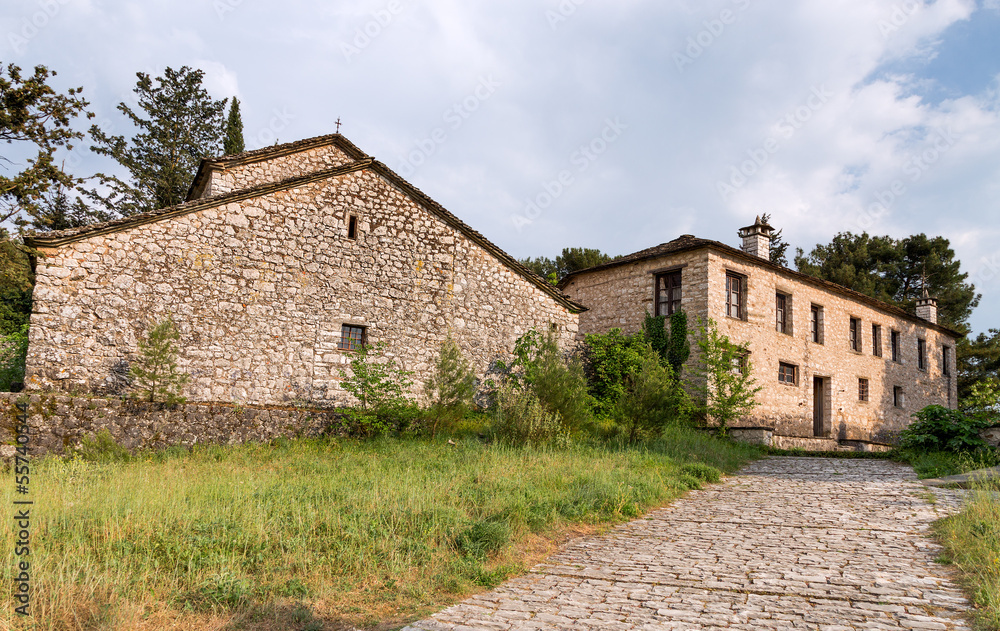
(702, 471)
(559, 385)
(673, 347)
(519, 418)
(102, 447)
(938, 428)
(13, 350)
(155, 372)
(652, 398)
(611, 358)
(483, 538)
(450, 387)
(374, 380)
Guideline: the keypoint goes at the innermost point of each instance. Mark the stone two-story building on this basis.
(833, 363)
(280, 264)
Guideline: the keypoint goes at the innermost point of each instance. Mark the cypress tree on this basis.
(232, 142)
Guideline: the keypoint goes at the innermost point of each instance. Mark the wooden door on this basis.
(818, 406)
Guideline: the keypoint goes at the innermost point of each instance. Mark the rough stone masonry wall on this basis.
(620, 296)
(275, 169)
(260, 288)
(789, 408)
(60, 423)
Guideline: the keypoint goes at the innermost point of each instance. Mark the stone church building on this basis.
(281, 262)
(285, 260)
(833, 363)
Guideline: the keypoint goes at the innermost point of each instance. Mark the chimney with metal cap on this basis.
(757, 239)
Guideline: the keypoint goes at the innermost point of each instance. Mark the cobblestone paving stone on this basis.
(788, 543)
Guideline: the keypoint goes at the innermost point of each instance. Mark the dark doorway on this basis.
(819, 401)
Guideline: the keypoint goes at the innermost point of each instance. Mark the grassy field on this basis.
(972, 543)
(325, 533)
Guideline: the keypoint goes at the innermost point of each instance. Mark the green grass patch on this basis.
(347, 532)
(972, 544)
(939, 464)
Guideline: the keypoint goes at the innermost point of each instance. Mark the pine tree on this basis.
(232, 142)
(451, 386)
(179, 124)
(155, 372)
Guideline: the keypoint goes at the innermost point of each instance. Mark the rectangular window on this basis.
(946, 360)
(894, 343)
(741, 363)
(876, 340)
(734, 296)
(897, 396)
(781, 313)
(352, 337)
(352, 227)
(816, 324)
(862, 389)
(856, 334)
(787, 373)
(922, 354)
(668, 293)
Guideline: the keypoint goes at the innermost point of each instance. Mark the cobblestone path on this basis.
(789, 543)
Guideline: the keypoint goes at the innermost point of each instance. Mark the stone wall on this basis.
(260, 290)
(59, 423)
(620, 296)
(253, 173)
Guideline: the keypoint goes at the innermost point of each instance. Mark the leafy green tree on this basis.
(611, 358)
(451, 386)
(35, 118)
(571, 260)
(652, 398)
(893, 270)
(154, 373)
(978, 361)
(179, 124)
(232, 142)
(779, 247)
(723, 380)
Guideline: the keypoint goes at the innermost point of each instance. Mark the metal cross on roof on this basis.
(338, 124)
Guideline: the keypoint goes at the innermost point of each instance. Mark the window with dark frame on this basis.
(352, 227)
(894, 343)
(816, 324)
(856, 334)
(946, 360)
(897, 396)
(862, 389)
(741, 362)
(668, 293)
(876, 340)
(921, 354)
(781, 313)
(352, 337)
(787, 373)
(734, 296)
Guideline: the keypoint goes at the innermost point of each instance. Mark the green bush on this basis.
(13, 351)
(702, 471)
(938, 428)
(652, 399)
(378, 385)
(519, 418)
(450, 388)
(483, 538)
(154, 373)
(611, 358)
(559, 385)
(723, 377)
(102, 447)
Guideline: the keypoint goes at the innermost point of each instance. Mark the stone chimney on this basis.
(927, 308)
(757, 239)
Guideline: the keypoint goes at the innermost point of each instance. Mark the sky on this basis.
(619, 125)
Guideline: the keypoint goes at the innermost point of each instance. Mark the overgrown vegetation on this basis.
(339, 532)
(377, 384)
(451, 388)
(13, 351)
(726, 389)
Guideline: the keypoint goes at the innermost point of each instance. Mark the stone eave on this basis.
(223, 163)
(63, 237)
(697, 244)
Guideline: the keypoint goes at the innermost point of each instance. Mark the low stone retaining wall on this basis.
(806, 444)
(60, 422)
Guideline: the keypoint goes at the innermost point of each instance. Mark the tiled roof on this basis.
(688, 242)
